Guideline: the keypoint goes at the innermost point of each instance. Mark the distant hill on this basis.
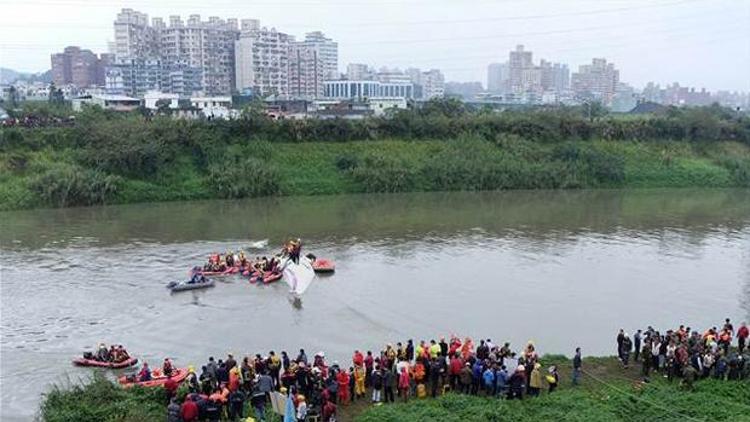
(9, 76)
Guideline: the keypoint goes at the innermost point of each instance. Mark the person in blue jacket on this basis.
(476, 372)
(501, 381)
(489, 381)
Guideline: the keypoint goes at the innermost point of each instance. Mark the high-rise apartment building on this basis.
(311, 61)
(179, 48)
(327, 51)
(262, 60)
(134, 37)
(554, 76)
(497, 77)
(521, 74)
(596, 81)
(208, 45)
(359, 72)
(306, 72)
(78, 67)
(433, 84)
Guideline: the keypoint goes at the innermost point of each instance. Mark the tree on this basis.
(56, 96)
(449, 107)
(162, 105)
(594, 110)
(12, 97)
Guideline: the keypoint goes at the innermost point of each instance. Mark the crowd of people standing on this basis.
(319, 388)
(687, 353)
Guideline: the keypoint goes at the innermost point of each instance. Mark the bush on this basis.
(65, 185)
(600, 167)
(101, 400)
(128, 147)
(346, 162)
(739, 169)
(380, 173)
(250, 177)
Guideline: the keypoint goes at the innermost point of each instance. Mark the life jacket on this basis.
(419, 372)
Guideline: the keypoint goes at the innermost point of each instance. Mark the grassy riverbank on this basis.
(607, 392)
(107, 158)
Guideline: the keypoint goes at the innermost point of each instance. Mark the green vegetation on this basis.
(106, 157)
(102, 400)
(712, 400)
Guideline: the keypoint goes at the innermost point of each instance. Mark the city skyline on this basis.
(701, 43)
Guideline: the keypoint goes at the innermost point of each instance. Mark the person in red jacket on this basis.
(329, 411)
(343, 380)
(456, 365)
(189, 410)
(171, 386)
(358, 359)
(742, 334)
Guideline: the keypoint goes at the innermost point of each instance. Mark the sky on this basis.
(700, 43)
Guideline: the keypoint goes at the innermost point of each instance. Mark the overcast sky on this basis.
(702, 43)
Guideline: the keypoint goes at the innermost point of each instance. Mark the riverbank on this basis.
(607, 392)
(49, 178)
(106, 158)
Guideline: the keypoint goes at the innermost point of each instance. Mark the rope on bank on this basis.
(640, 399)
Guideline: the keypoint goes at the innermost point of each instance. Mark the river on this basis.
(562, 268)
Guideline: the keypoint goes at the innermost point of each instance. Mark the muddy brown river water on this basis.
(561, 268)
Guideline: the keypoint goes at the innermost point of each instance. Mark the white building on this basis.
(214, 107)
(107, 102)
(262, 60)
(152, 97)
(381, 105)
(311, 61)
(433, 84)
(327, 51)
(346, 89)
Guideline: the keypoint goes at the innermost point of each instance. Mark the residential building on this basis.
(624, 99)
(205, 45)
(521, 74)
(498, 75)
(433, 84)
(359, 72)
(596, 81)
(306, 72)
(78, 67)
(327, 52)
(134, 37)
(184, 50)
(311, 61)
(262, 60)
(134, 77)
(554, 76)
